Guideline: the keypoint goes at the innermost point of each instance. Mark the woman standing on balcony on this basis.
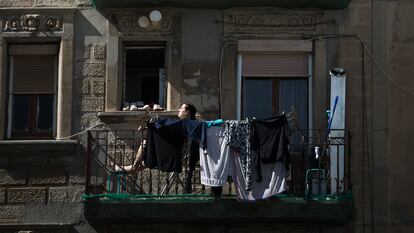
(187, 111)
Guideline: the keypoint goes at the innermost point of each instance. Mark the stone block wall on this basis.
(89, 64)
(91, 83)
(41, 189)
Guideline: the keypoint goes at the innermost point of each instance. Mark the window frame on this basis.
(160, 45)
(33, 133)
(240, 87)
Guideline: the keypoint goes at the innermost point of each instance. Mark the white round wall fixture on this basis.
(155, 16)
(143, 21)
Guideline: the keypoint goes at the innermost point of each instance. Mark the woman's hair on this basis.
(191, 110)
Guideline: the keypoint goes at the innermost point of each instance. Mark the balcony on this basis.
(316, 194)
(217, 4)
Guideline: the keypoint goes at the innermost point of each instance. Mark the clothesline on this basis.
(253, 152)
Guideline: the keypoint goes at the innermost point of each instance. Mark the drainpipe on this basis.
(337, 123)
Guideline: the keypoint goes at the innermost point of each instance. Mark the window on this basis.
(32, 81)
(274, 83)
(266, 97)
(145, 81)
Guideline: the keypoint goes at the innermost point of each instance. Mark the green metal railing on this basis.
(106, 148)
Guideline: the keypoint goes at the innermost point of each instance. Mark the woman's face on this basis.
(183, 112)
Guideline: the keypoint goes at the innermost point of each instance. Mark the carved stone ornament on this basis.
(12, 24)
(129, 23)
(32, 23)
(271, 21)
(53, 23)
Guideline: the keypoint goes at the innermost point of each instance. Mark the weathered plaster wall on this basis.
(201, 39)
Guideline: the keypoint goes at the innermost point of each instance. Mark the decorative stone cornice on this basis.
(32, 23)
(129, 23)
(271, 21)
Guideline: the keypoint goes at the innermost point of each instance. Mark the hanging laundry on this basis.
(273, 181)
(269, 142)
(269, 148)
(165, 143)
(215, 160)
(237, 136)
(192, 128)
(163, 150)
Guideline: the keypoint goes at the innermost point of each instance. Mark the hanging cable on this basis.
(81, 132)
(363, 135)
(336, 36)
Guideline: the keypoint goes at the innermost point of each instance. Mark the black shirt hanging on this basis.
(269, 142)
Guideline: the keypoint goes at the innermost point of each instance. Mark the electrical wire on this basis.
(369, 162)
(370, 55)
(365, 152)
(111, 132)
(363, 136)
(140, 124)
(382, 71)
(372, 144)
(83, 131)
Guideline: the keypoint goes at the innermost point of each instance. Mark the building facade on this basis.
(68, 67)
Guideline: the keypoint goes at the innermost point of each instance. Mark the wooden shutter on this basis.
(34, 69)
(275, 65)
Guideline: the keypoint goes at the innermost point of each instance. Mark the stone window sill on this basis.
(20, 146)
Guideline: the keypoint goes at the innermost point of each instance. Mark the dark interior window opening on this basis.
(33, 113)
(144, 76)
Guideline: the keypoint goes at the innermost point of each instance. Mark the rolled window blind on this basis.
(275, 65)
(34, 74)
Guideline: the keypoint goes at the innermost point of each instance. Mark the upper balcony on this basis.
(218, 4)
(318, 190)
